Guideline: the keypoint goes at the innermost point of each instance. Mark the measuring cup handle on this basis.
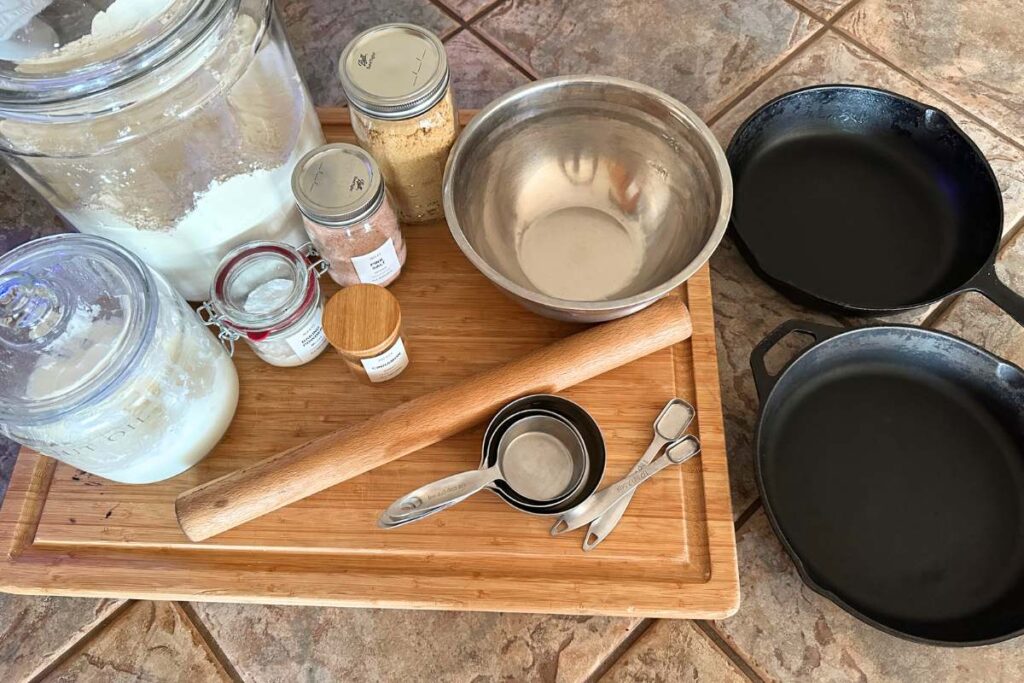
(440, 493)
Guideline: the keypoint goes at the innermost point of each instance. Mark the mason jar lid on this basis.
(337, 184)
(394, 71)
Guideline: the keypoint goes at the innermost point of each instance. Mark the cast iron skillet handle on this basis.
(988, 283)
(764, 380)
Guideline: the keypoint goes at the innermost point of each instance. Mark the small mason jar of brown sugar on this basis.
(364, 324)
(339, 190)
(396, 79)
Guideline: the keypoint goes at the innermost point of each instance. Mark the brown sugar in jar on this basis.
(364, 325)
(340, 192)
(397, 81)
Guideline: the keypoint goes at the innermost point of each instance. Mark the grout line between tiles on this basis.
(75, 646)
(849, 37)
(748, 513)
(483, 37)
(750, 664)
(193, 618)
(771, 71)
(808, 11)
(727, 650)
(505, 53)
(605, 665)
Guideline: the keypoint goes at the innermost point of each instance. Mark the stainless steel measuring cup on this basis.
(677, 453)
(670, 425)
(540, 457)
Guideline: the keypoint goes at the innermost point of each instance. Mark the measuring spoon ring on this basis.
(676, 454)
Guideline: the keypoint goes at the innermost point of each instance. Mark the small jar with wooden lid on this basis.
(364, 324)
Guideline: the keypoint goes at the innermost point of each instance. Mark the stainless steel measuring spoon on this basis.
(539, 457)
(670, 425)
(677, 453)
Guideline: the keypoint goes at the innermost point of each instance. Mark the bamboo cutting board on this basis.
(673, 554)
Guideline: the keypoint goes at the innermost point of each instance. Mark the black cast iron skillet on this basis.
(858, 200)
(891, 464)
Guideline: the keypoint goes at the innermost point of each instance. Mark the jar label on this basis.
(380, 265)
(308, 340)
(387, 365)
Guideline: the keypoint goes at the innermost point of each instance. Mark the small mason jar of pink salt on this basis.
(340, 192)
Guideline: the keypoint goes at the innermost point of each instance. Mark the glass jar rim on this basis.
(303, 277)
(28, 94)
(133, 346)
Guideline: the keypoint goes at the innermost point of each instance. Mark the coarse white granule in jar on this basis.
(348, 216)
(268, 294)
(397, 81)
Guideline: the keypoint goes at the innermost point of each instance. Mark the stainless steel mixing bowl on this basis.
(587, 198)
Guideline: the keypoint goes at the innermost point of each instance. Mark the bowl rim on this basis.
(648, 296)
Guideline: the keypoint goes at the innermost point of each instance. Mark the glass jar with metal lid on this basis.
(103, 365)
(348, 216)
(268, 293)
(396, 79)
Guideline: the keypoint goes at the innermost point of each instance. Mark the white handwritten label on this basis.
(380, 265)
(387, 365)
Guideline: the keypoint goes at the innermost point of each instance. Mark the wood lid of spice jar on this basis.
(362, 321)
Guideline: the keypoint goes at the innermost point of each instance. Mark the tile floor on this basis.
(722, 59)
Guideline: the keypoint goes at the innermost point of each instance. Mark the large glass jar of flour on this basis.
(104, 366)
(168, 126)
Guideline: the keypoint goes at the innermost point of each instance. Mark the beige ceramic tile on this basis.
(467, 9)
(702, 53)
(826, 9)
(673, 650)
(479, 74)
(790, 633)
(969, 50)
(978, 320)
(266, 643)
(36, 631)
(149, 641)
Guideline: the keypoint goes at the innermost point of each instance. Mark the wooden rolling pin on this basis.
(235, 498)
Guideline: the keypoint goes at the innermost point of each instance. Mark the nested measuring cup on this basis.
(544, 484)
(541, 457)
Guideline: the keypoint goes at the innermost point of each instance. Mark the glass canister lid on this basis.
(337, 184)
(75, 314)
(394, 71)
(55, 50)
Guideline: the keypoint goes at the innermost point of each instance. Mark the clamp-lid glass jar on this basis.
(397, 82)
(268, 294)
(104, 366)
(347, 214)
